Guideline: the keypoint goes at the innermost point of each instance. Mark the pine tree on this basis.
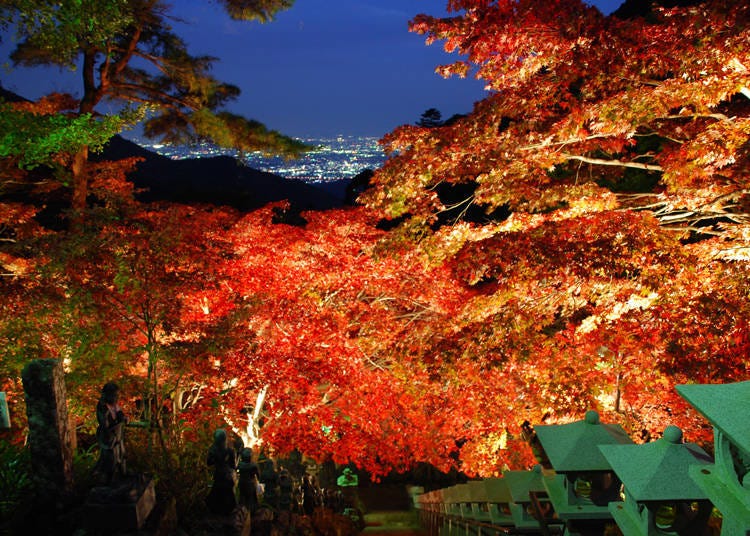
(128, 53)
(431, 118)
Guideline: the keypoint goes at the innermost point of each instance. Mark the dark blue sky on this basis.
(322, 68)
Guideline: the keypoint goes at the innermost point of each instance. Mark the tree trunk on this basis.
(80, 183)
(91, 95)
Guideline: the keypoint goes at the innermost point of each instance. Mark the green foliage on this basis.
(15, 481)
(84, 461)
(105, 36)
(246, 135)
(178, 464)
(54, 32)
(20, 339)
(262, 11)
(36, 139)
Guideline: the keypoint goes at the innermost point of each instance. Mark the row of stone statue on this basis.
(239, 476)
(237, 479)
(231, 471)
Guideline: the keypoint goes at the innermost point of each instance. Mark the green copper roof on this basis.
(477, 491)
(496, 490)
(457, 494)
(574, 447)
(726, 406)
(658, 471)
(520, 483)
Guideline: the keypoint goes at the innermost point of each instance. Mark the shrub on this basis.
(15, 482)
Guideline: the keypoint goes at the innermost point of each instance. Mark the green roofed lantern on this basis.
(725, 406)
(584, 483)
(529, 498)
(659, 493)
(727, 481)
(574, 446)
(498, 500)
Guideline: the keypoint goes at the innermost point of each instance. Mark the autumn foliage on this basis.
(579, 240)
(596, 201)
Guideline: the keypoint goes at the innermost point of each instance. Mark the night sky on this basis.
(322, 68)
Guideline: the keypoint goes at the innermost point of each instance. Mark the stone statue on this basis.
(109, 435)
(286, 490)
(310, 494)
(248, 484)
(221, 499)
(270, 480)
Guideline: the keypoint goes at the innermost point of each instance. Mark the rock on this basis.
(121, 507)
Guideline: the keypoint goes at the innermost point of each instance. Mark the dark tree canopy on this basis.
(262, 10)
(431, 118)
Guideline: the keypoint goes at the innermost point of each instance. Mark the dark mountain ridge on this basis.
(221, 180)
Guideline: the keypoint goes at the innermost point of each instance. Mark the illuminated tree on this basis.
(610, 161)
(323, 315)
(598, 258)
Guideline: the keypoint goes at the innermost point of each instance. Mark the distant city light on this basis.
(337, 158)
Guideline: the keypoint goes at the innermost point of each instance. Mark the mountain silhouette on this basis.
(220, 180)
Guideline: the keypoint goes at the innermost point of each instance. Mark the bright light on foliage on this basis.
(579, 241)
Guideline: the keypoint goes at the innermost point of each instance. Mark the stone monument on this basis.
(49, 428)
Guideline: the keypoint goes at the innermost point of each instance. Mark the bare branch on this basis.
(701, 230)
(164, 98)
(564, 142)
(618, 163)
(719, 117)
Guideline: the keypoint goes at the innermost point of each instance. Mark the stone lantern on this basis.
(727, 481)
(584, 483)
(660, 496)
(530, 506)
(497, 496)
(457, 501)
